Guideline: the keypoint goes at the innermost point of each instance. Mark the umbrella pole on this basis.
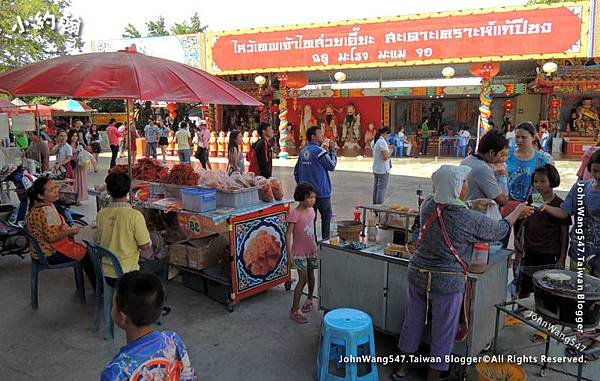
(37, 129)
(128, 137)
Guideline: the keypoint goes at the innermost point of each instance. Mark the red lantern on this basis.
(508, 104)
(555, 102)
(173, 114)
(486, 70)
(171, 107)
(295, 80)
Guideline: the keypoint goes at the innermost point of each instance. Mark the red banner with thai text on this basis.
(499, 35)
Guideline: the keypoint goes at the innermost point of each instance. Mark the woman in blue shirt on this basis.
(522, 161)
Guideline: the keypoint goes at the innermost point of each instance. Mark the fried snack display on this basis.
(262, 254)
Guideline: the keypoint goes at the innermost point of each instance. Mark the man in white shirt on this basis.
(404, 141)
(184, 143)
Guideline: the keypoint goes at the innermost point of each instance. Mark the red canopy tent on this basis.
(125, 74)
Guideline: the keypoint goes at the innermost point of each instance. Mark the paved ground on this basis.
(256, 342)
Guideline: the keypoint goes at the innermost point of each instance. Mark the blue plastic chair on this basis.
(461, 148)
(395, 140)
(41, 264)
(346, 332)
(97, 253)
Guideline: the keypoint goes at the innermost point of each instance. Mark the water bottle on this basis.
(479, 261)
(333, 227)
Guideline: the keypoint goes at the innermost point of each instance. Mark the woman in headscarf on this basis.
(437, 271)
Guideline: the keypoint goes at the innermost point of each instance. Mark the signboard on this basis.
(259, 252)
(102, 119)
(503, 34)
(23, 122)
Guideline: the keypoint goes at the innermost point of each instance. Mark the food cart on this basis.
(227, 243)
(257, 257)
(375, 282)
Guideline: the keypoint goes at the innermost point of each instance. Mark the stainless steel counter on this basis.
(374, 282)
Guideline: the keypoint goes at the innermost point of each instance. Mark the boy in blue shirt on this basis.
(149, 354)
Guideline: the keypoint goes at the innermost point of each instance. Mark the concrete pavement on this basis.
(257, 341)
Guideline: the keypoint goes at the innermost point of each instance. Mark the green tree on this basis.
(107, 105)
(33, 44)
(194, 26)
(157, 28)
(131, 32)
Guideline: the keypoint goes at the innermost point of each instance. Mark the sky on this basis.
(106, 19)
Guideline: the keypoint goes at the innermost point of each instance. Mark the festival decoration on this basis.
(283, 129)
(171, 107)
(508, 104)
(486, 71)
(293, 80)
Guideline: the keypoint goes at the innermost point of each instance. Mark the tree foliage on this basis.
(131, 32)
(34, 44)
(158, 27)
(107, 105)
(194, 26)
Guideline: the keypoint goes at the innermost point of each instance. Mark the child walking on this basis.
(303, 253)
(546, 238)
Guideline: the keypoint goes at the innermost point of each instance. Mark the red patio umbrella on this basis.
(42, 110)
(125, 74)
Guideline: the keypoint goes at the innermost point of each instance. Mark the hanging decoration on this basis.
(464, 111)
(210, 117)
(554, 110)
(283, 129)
(415, 112)
(485, 70)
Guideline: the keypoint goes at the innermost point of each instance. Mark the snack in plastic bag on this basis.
(277, 188)
(265, 193)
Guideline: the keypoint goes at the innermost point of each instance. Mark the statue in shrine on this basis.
(212, 144)
(330, 124)
(291, 140)
(588, 121)
(254, 137)
(246, 142)
(221, 151)
(351, 131)
(329, 132)
(369, 136)
(307, 120)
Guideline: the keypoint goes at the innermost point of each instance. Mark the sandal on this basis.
(298, 317)
(307, 306)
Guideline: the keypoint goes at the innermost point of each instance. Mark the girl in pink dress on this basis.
(301, 244)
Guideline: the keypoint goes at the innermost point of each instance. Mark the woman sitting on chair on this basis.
(49, 227)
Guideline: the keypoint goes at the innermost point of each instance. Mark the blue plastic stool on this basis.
(346, 332)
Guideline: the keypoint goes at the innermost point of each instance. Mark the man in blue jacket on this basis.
(315, 162)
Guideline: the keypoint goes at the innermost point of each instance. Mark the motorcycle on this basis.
(12, 242)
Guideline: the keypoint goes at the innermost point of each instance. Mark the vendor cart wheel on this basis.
(229, 305)
(288, 285)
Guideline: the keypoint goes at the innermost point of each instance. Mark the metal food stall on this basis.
(374, 282)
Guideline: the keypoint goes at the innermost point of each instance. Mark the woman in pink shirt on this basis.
(112, 132)
(303, 253)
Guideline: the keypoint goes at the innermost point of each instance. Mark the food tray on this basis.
(238, 198)
(174, 191)
(199, 199)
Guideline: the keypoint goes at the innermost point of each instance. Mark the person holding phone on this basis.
(545, 239)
